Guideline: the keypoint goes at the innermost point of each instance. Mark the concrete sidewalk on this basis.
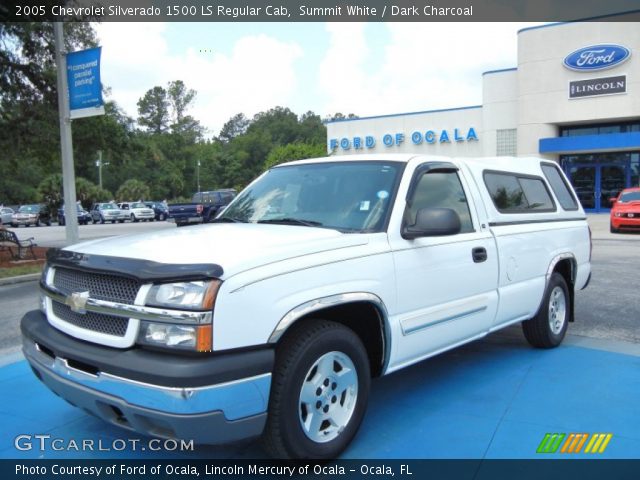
(495, 398)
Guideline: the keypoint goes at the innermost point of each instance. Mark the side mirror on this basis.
(433, 222)
(613, 200)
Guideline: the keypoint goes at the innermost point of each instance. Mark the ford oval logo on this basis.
(597, 57)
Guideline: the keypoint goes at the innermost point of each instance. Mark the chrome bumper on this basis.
(237, 399)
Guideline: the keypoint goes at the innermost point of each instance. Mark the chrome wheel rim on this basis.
(557, 310)
(328, 397)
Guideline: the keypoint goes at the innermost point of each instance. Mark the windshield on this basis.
(347, 196)
(108, 206)
(138, 205)
(630, 197)
(29, 209)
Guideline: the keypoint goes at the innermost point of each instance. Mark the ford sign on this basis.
(596, 57)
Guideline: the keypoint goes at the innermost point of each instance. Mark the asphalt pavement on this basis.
(55, 236)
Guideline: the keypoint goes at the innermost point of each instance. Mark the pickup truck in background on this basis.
(203, 208)
(320, 275)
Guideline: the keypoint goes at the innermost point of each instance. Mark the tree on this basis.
(51, 192)
(235, 126)
(294, 151)
(340, 116)
(153, 110)
(180, 98)
(28, 103)
(134, 190)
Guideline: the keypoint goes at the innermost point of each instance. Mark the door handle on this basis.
(479, 254)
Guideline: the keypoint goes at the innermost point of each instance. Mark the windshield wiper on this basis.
(292, 221)
(227, 220)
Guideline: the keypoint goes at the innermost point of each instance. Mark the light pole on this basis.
(99, 164)
(198, 175)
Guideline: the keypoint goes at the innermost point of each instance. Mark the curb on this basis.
(20, 279)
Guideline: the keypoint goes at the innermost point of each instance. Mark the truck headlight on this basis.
(198, 295)
(186, 337)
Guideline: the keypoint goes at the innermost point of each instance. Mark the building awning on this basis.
(611, 142)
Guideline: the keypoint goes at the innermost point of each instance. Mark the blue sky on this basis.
(361, 68)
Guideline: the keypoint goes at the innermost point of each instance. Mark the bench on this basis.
(9, 241)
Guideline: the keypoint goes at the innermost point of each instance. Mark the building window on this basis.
(506, 142)
(600, 129)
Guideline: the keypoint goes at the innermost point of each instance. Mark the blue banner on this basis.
(83, 78)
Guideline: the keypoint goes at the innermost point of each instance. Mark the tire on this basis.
(101, 219)
(612, 229)
(304, 357)
(37, 222)
(61, 222)
(133, 218)
(14, 225)
(548, 328)
(163, 217)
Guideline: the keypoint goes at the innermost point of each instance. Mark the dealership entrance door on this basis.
(598, 177)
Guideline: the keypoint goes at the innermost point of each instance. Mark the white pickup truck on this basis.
(320, 275)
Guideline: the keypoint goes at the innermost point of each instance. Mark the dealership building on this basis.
(574, 97)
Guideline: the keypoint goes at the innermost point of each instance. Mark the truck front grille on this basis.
(100, 286)
(97, 322)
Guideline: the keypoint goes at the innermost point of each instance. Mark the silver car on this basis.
(106, 212)
(5, 215)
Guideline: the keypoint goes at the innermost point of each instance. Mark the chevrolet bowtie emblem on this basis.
(77, 301)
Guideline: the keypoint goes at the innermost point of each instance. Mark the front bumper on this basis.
(24, 221)
(210, 399)
(631, 223)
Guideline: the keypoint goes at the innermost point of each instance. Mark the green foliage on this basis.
(51, 192)
(133, 190)
(153, 110)
(294, 151)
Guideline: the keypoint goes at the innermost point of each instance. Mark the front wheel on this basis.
(548, 328)
(319, 392)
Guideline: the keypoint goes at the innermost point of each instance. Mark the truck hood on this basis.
(235, 247)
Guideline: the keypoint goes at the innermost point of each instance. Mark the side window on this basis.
(559, 187)
(444, 190)
(512, 193)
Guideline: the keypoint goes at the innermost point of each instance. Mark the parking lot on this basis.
(494, 398)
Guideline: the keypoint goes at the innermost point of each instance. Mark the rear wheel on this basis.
(548, 328)
(319, 392)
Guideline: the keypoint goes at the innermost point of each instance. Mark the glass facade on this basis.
(600, 129)
(596, 177)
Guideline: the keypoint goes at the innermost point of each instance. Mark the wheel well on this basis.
(364, 318)
(565, 268)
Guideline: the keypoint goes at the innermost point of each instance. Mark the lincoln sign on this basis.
(598, 86)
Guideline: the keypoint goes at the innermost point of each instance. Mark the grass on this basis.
(20, 270)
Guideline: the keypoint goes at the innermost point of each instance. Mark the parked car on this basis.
(136, 211)
(31, 215)
(160, 210)
(203, 208)
(83, 216)
(5, 215)
(106, 212)
(320, 275)
(625, 210)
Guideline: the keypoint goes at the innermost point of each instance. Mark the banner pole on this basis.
(66, 141)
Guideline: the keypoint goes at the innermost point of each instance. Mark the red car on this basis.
(625, 210)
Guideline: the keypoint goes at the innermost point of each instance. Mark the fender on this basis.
(334, 300)
(552, 266)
